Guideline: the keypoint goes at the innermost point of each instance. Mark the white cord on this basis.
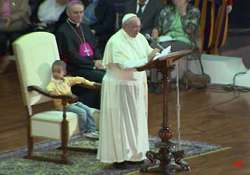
(178, 106)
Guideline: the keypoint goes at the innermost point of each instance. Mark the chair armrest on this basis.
(97, 86)
(62, 97)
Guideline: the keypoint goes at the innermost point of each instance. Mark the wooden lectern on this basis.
(170, 159)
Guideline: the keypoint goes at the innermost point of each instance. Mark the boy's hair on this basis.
(59, 63)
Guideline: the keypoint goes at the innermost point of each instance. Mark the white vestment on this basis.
(123, 114)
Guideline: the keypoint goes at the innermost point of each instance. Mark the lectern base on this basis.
(170, 159)
(170, 162)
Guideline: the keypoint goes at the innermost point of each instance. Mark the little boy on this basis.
(61, 85)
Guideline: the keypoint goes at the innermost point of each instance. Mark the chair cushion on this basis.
(48, 124)
(53, 116)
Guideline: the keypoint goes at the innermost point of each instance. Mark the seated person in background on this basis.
(147, 10)
(14, 21)
(61, 85)
(178, 22)
(178, 26)
(77, 46)
(50, 15)
(99, 15)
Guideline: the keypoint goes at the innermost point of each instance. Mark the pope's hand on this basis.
(98, 64)
(153, 54)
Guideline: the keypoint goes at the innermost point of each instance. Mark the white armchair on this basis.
(35, 54)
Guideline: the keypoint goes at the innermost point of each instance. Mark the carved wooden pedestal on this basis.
(170, 159)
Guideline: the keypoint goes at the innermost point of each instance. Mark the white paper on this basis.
(163, 53)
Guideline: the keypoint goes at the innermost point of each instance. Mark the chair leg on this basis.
(64, 133)
(30, 140)
(30, 147)
(64, 139)
(64, 151)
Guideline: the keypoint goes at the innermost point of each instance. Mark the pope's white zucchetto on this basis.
(127, 17)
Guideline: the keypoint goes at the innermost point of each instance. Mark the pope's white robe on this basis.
(124, 102)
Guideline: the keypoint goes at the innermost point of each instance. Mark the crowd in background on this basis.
(18, 17)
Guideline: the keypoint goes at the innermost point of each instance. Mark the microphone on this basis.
(148, 37)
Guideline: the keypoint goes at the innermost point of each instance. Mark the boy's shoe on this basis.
(92, 135)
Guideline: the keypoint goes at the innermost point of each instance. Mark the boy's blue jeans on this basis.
(86, 121)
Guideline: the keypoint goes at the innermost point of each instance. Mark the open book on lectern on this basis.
(165, 52)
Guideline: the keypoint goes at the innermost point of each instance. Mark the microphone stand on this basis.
(178, 106)
(148, 37)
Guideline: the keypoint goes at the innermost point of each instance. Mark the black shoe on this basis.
(135, 163)
(120, 165)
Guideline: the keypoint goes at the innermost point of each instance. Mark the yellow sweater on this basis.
(63, 87)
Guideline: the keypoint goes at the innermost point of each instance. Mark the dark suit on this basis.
(105, 24)
(150, 14)
(68, 44)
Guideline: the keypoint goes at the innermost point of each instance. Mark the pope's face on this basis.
(75, 13)
(133, 27)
